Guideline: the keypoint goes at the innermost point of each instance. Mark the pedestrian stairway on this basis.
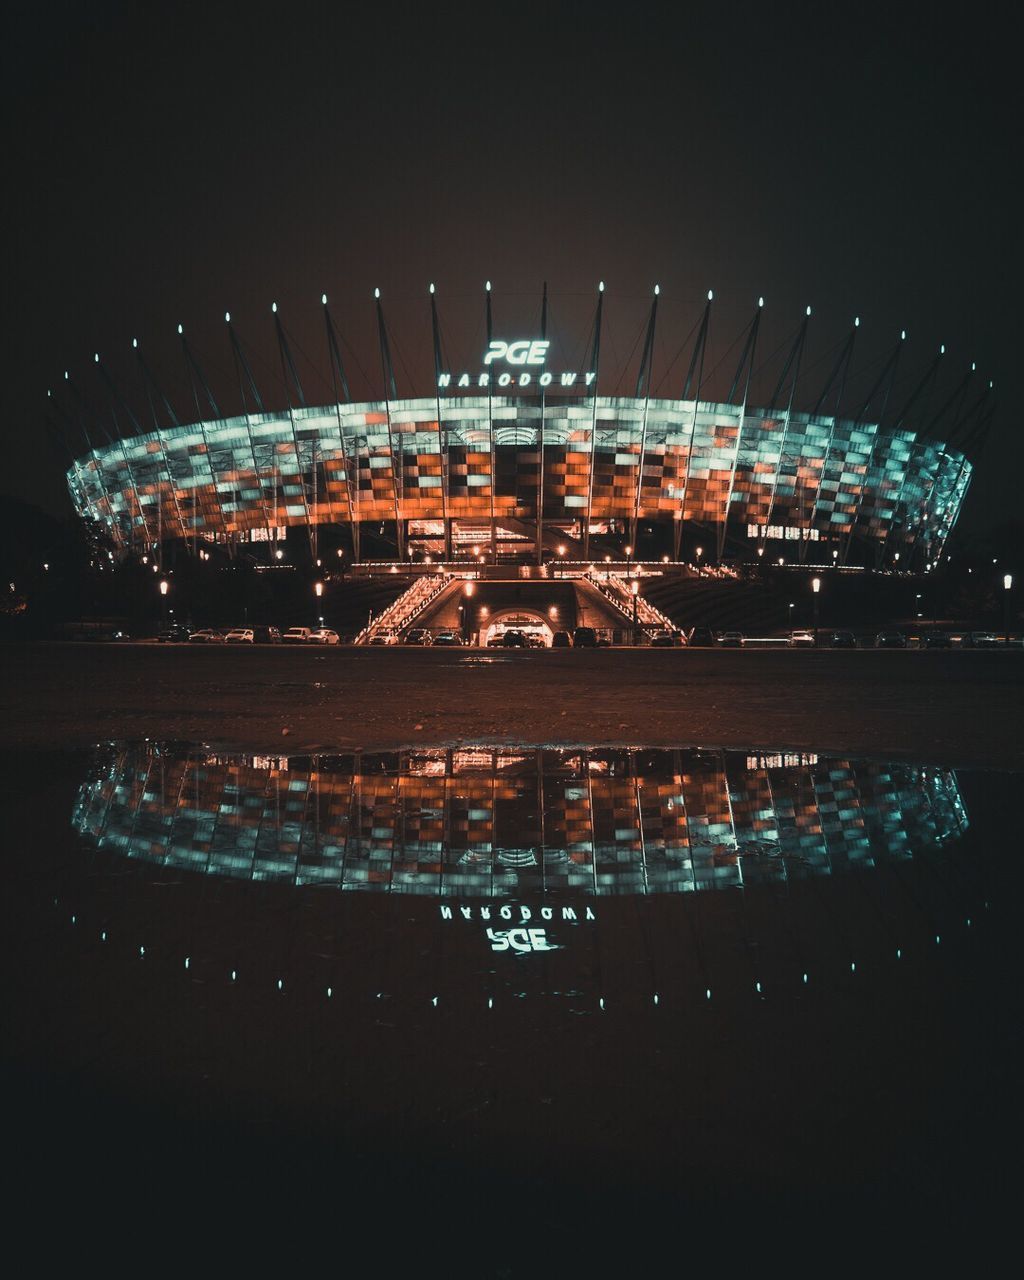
(404, 611)
(616, 591)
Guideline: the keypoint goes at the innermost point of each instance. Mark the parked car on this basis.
(702, 637)
(535, 640)
(732, 640)
(297, 635)
(240, 635)
(843, 640)
(266, 635)
(561, 640)
(512, 639)
(448, 638)
(497, 640)
(937, 640)
(418, 635)
(979, 640)
(206, 635)
(381, 637)
(890, 640)
(174, 634)
(801, 640)
(584, 638)
(667, 640)
(323, 635)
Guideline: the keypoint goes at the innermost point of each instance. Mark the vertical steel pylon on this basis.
(792, 362)
(244, 375)
(490, 432)
(540, 438)
(195, 381)
(442, 449)
(837, 379)
(293, 391)
(744, 369)
(643, 387)
(595, 367)
(391, 393)
(884, 380)
(340, 382)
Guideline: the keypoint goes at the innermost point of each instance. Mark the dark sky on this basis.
(167, 162)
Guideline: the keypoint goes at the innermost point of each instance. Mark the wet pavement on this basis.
(954, 707)
(533, 1004)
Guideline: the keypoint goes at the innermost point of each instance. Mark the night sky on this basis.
(168, 162)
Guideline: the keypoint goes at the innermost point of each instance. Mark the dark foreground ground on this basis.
(356, 1096)
(958, 708)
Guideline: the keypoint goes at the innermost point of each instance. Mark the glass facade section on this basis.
(612, 458)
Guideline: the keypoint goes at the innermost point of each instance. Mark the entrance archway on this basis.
(529, 621)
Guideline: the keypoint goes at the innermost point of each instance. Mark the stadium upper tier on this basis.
(750, 474)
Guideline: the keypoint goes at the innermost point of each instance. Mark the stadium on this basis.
(517, 462)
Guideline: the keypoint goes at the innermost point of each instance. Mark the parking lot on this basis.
(591, 637)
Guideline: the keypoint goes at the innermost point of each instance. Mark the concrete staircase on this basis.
(410, 605)
(620, 595)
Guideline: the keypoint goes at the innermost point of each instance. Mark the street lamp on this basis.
(634, 586)
(318, 589)
(629, 552)
(165, 586)
(1007, 586)
(700, 552)
(815, 590)
(467, 590)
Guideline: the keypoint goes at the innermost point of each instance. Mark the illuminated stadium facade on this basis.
(514, 451)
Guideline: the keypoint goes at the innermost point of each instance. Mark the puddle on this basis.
(692, 946)
(501, 822)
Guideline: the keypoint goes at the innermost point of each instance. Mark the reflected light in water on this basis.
(489, 822)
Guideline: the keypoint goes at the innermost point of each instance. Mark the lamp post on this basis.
(634, 586)
(1007, 587)
(815, 592)
(629, 552)
(468, 588)
(164, 588)
(700, 552)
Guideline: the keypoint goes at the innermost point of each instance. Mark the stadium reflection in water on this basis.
(531, 850)
(504, 823)
(516, 966)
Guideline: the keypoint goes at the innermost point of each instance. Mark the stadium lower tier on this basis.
(747, 475)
